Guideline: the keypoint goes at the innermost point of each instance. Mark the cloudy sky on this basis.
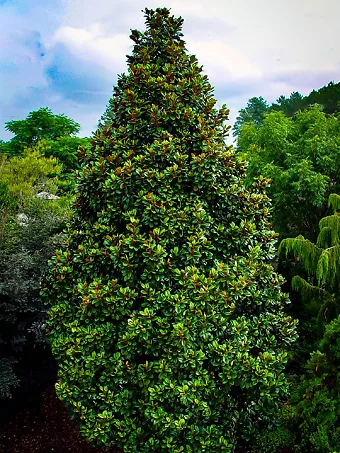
(66, 54)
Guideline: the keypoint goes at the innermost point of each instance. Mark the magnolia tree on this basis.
(167, 319)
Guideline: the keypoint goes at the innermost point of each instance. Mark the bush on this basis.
(167, 319)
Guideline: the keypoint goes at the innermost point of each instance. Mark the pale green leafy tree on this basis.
(301, 156)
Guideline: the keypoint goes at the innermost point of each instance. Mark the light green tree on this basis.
(301, 156)
(38, 125)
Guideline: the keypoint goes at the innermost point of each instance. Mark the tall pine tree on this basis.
(167, 319)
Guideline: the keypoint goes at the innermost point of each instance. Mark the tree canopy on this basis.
(327, 97)
(254, 112)
(39, 124)
(302, 158)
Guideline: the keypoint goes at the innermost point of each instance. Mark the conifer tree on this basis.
(167, 319)
(322, 264)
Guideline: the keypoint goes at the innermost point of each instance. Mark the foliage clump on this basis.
(28, 175)
(167, 319)
(279, 435)
(327, 97)
(39, 124)
(320, 292)
(317, 401)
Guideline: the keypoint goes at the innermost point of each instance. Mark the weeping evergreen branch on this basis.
(328, 268)
(329, 231)
(312, 296)
(329, 310)
(307, 252)
(322, 263)
(334, 202)
(309, 292)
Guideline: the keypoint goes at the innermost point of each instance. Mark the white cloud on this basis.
(91, 44)
(266, 38)
(222, 62)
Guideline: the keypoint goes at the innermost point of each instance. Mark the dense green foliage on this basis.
(302, 158)
(51, 135)
(65, 149)
(315, 420)
(28, 175)
(40, 124)
(167, 318)
(321, 293)
(328, 97)
(280, 434)
(290, 106)
(24, 251)
(300, 152)
(317, 402)
(254, 112)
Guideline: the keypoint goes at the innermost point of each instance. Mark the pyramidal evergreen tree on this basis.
(321, 291)
(166, 317)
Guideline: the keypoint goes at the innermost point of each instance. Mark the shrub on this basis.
(25, 176)
(167, 319)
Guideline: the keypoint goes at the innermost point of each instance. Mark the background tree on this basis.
(321, 291)
(254, 113)
(51, 135)
(317, 401)
(327, 96)
(39, 124)
(65, 149)
(290, 106)
(302, 158)
(167, 320)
